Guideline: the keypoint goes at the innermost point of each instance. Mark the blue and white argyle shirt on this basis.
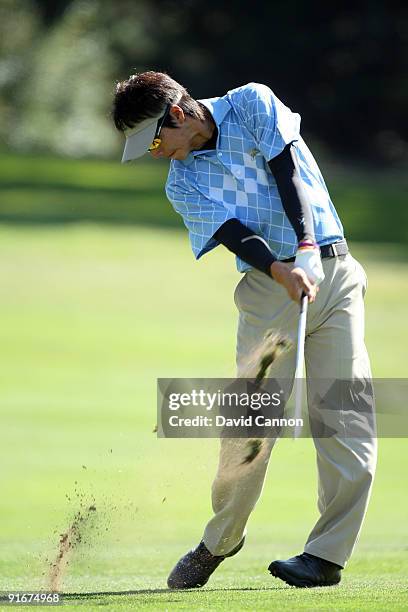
(234, 180)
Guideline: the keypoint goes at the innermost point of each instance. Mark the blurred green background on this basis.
(100, 294)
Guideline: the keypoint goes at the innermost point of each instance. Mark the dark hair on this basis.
(146, 95)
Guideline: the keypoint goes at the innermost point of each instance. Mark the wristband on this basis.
(303, 244)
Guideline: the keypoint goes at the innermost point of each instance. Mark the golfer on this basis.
(242, 176)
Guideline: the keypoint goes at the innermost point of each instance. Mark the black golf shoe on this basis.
(306, 571)
(194, 569)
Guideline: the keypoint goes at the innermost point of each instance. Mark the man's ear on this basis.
(177, 114)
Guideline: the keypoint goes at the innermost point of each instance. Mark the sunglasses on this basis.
(157, 140)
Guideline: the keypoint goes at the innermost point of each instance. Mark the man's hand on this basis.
(308, 258)
(294, 280)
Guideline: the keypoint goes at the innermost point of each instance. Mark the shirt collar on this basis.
(218, 108)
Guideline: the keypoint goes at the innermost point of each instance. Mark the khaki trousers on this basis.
(334, 348)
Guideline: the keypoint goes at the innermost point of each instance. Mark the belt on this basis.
(328, 250)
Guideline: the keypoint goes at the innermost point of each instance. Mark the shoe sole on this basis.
(278, 572)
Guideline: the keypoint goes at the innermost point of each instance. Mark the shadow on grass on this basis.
(90, 595)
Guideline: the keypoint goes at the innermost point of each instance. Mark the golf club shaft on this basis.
(300, 354)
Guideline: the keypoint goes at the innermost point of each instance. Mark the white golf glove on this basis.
(308, 258)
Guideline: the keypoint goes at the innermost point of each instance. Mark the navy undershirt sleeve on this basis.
(252, 248)
(249, 247)
(285, 170)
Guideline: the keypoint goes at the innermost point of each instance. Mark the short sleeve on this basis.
(272, 124)
(201, 216)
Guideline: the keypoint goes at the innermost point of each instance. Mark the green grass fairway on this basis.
(90, 317)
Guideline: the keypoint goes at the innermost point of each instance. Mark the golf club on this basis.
(300, 353)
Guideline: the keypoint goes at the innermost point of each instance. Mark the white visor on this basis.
(139, 138)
